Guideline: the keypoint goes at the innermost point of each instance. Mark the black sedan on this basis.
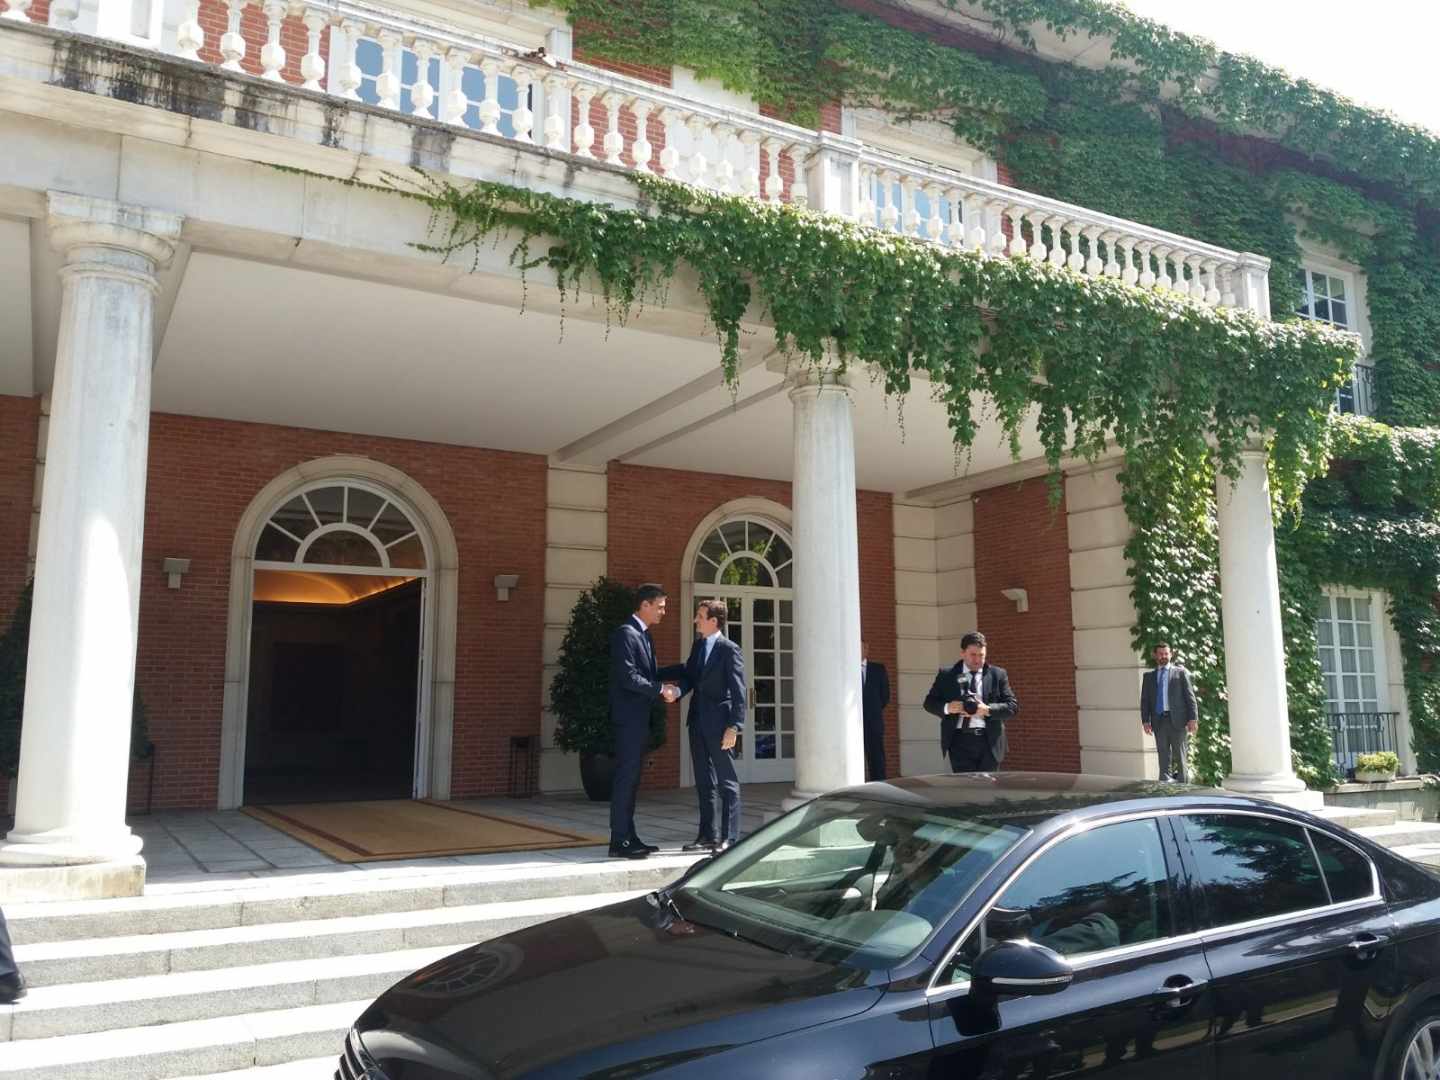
(1021, 926)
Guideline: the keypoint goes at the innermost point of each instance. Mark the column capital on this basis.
(810, 381)
(85, 228)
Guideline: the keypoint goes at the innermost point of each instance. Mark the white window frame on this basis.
(1361, 394)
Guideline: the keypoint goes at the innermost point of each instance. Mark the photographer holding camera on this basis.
(973, 699)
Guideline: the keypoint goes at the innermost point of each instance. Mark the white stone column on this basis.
(75, 743)
(829, 743)
(1254, 645)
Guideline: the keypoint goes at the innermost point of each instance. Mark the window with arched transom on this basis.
(343, 524)
(744, 552)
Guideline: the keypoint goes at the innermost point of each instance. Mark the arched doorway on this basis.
(341, 648)
(335, 647)
(746, 559)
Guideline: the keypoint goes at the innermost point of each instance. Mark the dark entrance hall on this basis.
(334, 666)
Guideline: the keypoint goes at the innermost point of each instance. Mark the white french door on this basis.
(761, 622)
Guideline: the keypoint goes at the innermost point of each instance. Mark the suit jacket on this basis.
(718, 685)
(994, 691)
(634, 681)
(1179, 696)
(875, 694)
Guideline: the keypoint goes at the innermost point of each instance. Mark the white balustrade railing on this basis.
(427, 70)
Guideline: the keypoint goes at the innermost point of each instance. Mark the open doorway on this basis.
(336, 650)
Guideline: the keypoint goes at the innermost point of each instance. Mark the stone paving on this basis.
(203, 846)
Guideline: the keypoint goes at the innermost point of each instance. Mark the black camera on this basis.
(969, 702)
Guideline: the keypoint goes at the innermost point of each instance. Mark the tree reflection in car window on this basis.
(849, 880)
(1252, 867)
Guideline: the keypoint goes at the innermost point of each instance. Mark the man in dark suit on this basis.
(1168, 711)
(12, 983)
(874, 696)
(973, 700)
(634, 686)
(715, 674)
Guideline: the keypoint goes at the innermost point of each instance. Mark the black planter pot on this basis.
(597, 773)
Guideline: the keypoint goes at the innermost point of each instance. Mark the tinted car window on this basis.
(848, 880)
(1347, 872)
(1252, 867)
(1101, 889)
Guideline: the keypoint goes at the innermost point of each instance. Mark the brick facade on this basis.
(648, 544)
(1022, 542)
(203, 475)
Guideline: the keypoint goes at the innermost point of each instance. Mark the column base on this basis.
(59, 848)
(82, 881)
(1286, 790)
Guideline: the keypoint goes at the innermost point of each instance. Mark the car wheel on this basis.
(1420, 1049)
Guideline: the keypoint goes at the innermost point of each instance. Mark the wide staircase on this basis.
(261, 980)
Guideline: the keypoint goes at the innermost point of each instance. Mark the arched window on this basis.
(342, 525)
(745, 553)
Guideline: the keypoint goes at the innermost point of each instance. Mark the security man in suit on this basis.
(874, 696)
(973, 700)
(634, 686)
(1168, 711)
(715, 675)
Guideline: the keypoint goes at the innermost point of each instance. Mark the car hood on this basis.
(621, 990)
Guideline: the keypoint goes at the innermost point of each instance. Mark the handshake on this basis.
(669, 693)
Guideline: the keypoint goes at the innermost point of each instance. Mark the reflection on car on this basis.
(1020, 926)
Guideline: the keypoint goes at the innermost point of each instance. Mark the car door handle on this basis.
(1367, 943)
(1178, 992)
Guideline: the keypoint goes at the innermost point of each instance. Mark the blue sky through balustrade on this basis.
(371, 59)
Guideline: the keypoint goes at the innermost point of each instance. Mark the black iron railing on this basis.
(1358, 395)
(1356, 733)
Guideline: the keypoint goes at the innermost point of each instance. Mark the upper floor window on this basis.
(1324, 297)
(1327, 297)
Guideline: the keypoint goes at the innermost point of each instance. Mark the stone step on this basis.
(321, 1068)
(189, 1048)
(93, 959)
(1402, 834)
(87, 1008)
(323, 896)
(1357, 817)
(1429, 854)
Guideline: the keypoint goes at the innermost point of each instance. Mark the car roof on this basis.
(1037, 796)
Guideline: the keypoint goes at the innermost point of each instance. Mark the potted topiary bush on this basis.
(1377, 768)
(580, 692)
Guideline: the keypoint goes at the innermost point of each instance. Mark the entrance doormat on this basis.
(402, 829)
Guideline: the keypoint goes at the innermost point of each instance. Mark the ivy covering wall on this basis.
(1174, 133)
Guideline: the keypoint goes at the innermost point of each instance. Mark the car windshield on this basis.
(848, 881)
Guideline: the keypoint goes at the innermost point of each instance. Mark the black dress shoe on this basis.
(649, 849)
(12, 988)
(628, 850)
(699, 844)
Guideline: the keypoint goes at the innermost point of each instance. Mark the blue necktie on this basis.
(709, 644)
(1162, 679)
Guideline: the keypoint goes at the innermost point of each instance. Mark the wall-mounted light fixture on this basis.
(504, 583)
(175, 569)
(1020, 596)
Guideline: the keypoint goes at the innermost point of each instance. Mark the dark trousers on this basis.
(970, 752)
(1170, 746)
(875, 750)
(715, 773)
(630, 739)
(7, 953)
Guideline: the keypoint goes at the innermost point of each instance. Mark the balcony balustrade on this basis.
(407, 65)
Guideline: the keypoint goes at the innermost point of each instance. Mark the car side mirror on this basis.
(1019, 969)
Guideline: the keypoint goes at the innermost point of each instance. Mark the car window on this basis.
(1101, 889)
(1347, 872)
(849, 881)
(1253, 867)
